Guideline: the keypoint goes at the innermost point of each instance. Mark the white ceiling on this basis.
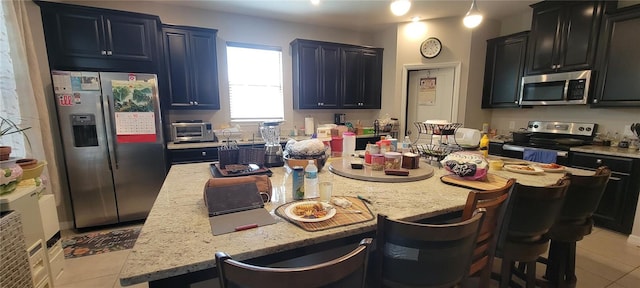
(362, 15)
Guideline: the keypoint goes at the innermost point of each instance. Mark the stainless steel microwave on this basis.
(192, 132)
(565, 88)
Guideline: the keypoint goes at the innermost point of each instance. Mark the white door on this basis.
(430, 96)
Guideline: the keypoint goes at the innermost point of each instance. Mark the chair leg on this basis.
(571, 265)
(505, 272)
(531, 274)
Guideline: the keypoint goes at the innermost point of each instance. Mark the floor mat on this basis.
(100, 242)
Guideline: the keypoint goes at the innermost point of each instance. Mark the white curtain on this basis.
(33, 111)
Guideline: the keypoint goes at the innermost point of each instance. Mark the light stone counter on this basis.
(608, 150)
(176, 238)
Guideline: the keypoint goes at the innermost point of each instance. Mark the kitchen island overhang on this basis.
(176, 243)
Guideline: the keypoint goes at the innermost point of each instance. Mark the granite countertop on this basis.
(176, 238)
(608, 150)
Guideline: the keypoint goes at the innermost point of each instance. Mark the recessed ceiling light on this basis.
(400, 7)
(315, 2)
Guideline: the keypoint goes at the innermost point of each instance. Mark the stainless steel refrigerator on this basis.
(113, 146)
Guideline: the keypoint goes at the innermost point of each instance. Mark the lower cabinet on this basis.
(193, 155)
(617, 207)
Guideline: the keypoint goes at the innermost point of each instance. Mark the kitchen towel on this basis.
(539, 155)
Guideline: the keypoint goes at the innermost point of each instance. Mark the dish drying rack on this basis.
(437, 146)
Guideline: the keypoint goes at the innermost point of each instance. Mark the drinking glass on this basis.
(326, 188)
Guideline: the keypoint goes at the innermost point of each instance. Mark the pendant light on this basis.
(400, 7)
(473, 17)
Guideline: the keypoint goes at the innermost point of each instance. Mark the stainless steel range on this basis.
(551, 135)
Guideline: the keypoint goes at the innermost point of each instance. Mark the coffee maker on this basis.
(270, 132)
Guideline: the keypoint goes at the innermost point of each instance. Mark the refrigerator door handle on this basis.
(110, 123)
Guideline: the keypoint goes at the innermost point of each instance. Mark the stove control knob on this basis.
(588, 129)
(536, 126)
(581, 129)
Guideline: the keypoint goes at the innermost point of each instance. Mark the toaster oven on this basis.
(192, 132)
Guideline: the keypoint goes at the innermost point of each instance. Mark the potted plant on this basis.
(8, 127)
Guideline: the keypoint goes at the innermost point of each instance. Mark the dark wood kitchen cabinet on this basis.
(317, 74)
(362, 78)
(193, 155)
(334, 76)
(192, 69)
(619, 60)
(504, 67)
(564, 35)
(617, 207)
(86, 38)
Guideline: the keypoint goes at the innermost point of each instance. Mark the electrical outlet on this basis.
(512, 125)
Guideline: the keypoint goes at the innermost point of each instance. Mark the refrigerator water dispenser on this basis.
(84, 130)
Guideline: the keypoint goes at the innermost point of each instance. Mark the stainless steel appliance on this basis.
(113, 146)
(551, 135)
(556, 89)
(270, 132)
(192, 131)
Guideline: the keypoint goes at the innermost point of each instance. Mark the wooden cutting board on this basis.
(492, 182)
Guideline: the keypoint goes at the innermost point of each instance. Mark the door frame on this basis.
(426, 66)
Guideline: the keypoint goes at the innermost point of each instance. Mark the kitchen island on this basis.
(176, 244)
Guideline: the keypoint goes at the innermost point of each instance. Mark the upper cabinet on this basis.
(564, 35)
(504, 68)
(619, 60)
(191, 64)
(332, 76)
(100, 39)
(362, 83)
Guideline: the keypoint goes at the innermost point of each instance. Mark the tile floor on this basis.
(604, 259)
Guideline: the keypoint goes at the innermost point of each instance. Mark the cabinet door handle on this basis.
(195, 102)
(204, 153)
(190, 102)
(599, 161)
(109, 53)
(103, 52)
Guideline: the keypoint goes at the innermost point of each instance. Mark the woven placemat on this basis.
(340, 219)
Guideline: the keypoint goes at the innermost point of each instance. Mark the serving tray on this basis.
(490, 183)
(217, 171)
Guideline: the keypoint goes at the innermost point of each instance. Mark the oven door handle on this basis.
(510, 147)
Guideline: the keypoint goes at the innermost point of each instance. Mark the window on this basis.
(9, 102)
(255, 82)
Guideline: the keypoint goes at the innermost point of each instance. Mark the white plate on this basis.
(549, 169)
(514, 168)
(290, 214)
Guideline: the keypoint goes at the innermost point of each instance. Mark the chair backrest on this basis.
(531, 211)
(423, 255)
(583, 196)
(492, 202)
(346, 271)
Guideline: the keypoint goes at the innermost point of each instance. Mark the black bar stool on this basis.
(530, 213)
(574, 222)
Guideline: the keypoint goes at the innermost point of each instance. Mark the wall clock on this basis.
(431, 47)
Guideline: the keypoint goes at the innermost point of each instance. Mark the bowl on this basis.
(319, 161)
(33, 172)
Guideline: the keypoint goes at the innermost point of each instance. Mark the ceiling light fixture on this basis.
(315, 2)
(400, 7)
(473, 17)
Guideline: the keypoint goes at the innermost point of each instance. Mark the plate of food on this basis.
(310, 211)
(551, 167)
(524, 169)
